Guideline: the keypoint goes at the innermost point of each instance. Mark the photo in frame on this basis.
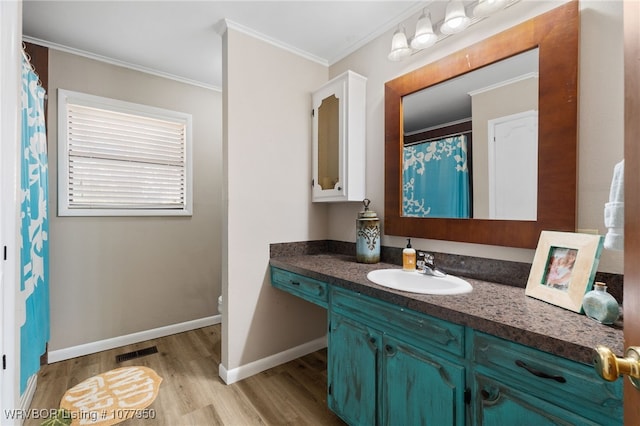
(564, 268)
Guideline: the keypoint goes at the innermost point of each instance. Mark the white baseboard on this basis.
(27, 395)
(128, 339)
(248, 370)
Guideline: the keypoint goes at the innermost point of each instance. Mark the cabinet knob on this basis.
(610, 367)
(390, 350)
(490, 395)
(373, 344)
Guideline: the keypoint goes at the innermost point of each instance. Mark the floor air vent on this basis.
(136, 354)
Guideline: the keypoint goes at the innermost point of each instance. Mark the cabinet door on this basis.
(498, 404)
(328, 141)
(352, 370)
(338, 144)
(419, 388)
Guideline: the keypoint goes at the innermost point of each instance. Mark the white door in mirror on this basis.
(416, 282)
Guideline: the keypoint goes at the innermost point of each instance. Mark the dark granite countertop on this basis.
(497, 309)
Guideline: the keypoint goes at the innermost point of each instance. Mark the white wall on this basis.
(267, 163)
(112, 276)
(601, 114)
(600, 122)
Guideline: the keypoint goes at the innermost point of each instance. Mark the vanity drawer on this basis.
(307, 288)
(549, 377)
(411, 326)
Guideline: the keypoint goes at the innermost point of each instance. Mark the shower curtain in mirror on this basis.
(435, 179)
(34, 227)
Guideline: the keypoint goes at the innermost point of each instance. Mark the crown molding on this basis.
(119, 63)
(225, 24)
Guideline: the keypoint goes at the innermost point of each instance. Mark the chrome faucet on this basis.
(426, 264)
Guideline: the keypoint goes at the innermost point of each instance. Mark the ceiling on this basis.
(179, 38)
(450, 100)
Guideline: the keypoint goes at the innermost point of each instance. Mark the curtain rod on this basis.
(27, 58)
(437, 138)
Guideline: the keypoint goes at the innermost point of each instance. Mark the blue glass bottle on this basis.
(600, 305)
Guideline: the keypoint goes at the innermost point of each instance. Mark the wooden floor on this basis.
(191, 392)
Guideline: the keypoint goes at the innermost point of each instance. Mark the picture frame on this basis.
(564, 268)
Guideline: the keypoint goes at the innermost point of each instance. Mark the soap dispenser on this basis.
(409, 257)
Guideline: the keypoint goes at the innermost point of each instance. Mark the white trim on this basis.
(128, 339)
(255, 367)
(27, 396)
(10, 118)
(119, 63)
(227, 23)
(439, 126)
(533, 74)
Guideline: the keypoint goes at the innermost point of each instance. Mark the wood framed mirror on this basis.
(555, 35)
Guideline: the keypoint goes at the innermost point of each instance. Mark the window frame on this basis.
(66, 97)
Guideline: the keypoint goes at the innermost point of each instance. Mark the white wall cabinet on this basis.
(338, 146)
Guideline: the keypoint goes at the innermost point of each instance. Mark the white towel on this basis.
(614, 211)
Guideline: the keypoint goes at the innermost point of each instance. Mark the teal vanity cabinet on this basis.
(516, 384)
(388, 365)
(391, 366)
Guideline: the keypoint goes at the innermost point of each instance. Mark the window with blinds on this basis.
(117, 158)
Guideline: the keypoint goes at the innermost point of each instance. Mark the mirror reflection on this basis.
(470, 144)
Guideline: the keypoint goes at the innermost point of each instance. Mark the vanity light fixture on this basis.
(455, 21)
(399, 47)
(455, 18)
(424, 36)
(487, 7)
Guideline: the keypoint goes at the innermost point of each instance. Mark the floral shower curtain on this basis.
(435, 179)
(34, 254)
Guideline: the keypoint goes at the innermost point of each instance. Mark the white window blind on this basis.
(119, 158)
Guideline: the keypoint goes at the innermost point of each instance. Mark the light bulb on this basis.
(455, 19)
(487, 7)
(399, 46)
(424, 36)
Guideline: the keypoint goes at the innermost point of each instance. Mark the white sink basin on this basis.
(415, 282)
